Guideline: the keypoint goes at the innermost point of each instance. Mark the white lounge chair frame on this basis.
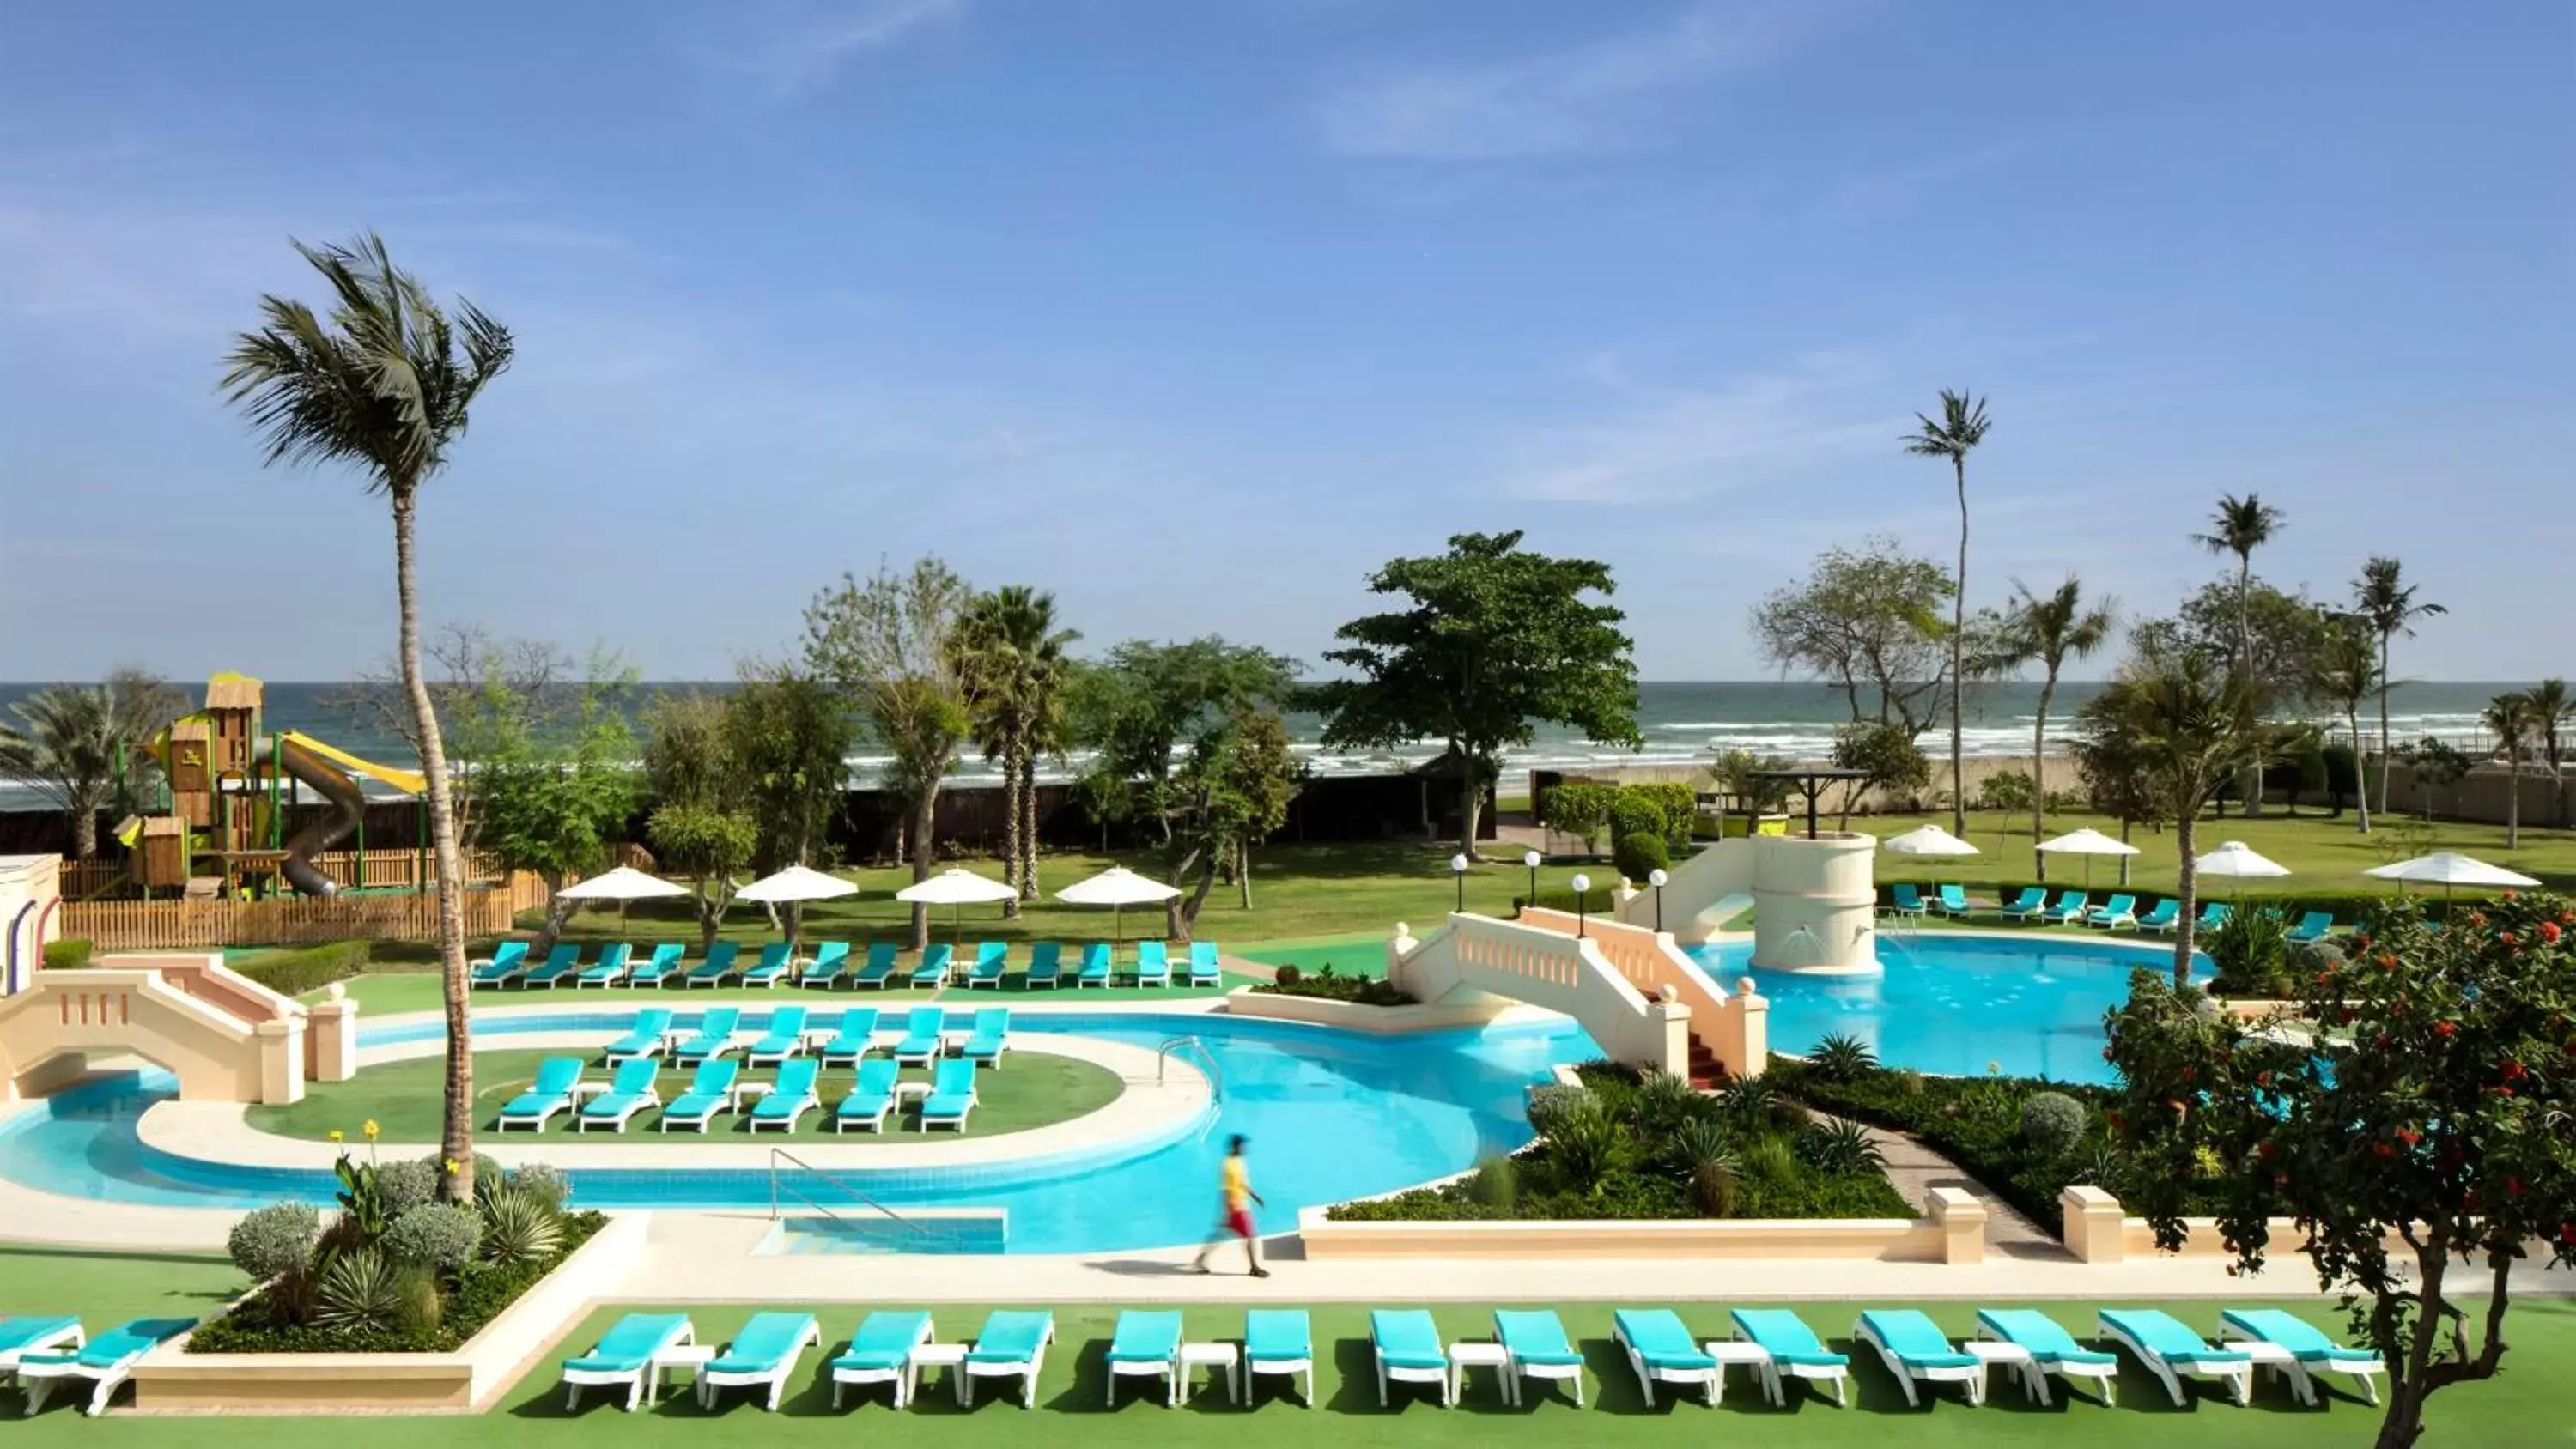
(37, 1380)
(503, 1121)
(1439, 1378)
(1706, 1379)
(2034, 1374)
(903, 1376)
(1168, 1370)
(1300, 1369)
(710, 1379)
(644, 1380)
(70, 1338)
(2239, 1377)
(1971, 1378)
(2302, 1375)
(1026, 1373)
(582, 1121)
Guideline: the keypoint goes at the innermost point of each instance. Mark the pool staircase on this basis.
(821, 1211)
(1814, 900)
(224, 1036)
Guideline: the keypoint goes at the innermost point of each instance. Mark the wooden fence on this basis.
(82, 879)
(154, 925)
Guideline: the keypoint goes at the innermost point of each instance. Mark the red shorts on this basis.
(1239, 1221)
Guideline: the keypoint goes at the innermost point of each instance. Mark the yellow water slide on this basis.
(329, 771)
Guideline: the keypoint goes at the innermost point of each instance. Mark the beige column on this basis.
(2094, 1229)
(1962, 1221)
(1743, 1039)
(281, 1060)
(331, 1048)
(1672, 1036)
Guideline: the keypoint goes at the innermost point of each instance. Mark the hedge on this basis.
(1601, 900)
(69, 953)
(292, 973)
(1330, 985)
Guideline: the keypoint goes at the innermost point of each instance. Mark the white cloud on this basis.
(809, 49)
(1665, 443)
(1585, 98)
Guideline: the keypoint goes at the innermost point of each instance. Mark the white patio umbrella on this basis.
(1927, 840)
(956, 889)
(1117, 888)
(795, 883)
(2235, 860)
(621, 885)
(2448, 868)
(2087, 843)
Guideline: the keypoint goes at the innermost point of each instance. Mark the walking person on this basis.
(1240, 1200)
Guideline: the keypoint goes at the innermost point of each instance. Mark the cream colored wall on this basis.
(29, 885)
(1476, 957)
(115, 1010)
(1827, 886)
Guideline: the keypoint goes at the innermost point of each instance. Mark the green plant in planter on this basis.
(1840, 1147)
(360, 1292)
(404, 1185)
(1496, 1184)
(1589, 1144)
(2251, 950)
(418, 1303)
(1709, 1166)
(441, 1236)
(362, 1197)
(543, 1181)
(1667, 1101)
(274, 1240)
(1769, 1159)
(2053, 1122)
(1639, 855)
(1549, 1106)
(520, 1227)
(1842, 1058)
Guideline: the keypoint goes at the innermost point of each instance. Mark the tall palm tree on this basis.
(2388, 602)
(2346, 672)
(1962, 427)
(2514, 721)
(1012, 660)
(2240, 526)
(2047, 631)
(383, 383)
(2552, 713)
(2180, 721)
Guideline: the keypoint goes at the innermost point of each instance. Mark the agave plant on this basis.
(361, 1292)
(1840, 1148)
(1588, 1145)
(520, 1227)
(1842, 1058)
(1667, 1101)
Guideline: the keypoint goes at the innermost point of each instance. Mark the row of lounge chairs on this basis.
(40, 1353)
(834, 964)
(2076, 908)
(1774, 1345)
(794, 1031)
(716, 1088)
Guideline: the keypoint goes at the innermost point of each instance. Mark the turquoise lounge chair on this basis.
(992, 1034)
(2213, 915)
(776, 960)
(881, 1353)
(2070, 908)
(508, 960)
(658, 966)
(2120, 910)
(1535, 1347)
(2311, 1352)
(624, 1355)
(870, 1099)
(1905, 900)
(723, 960)
(2052, 1350)
(1013, 1345)
(1406, 1345)
(952, 1095)
(560, 962)
(2025, 906)
(992, 958)
(630, 1091)
(880, 967)
(922, 1043)
(2311, 928)
(789, 1098)
(2172, 1352)
(1279, 1341)
(1918, 1354)
(762, 1356)
(714, 1038)
(551, 1092)
(651, 1034)
(1795, 1352)
(1097, 963)
(37, 1334)
(855, 1036)
(2162, 917)
(1046, 965)
(1207, 965)
(1953, 902)
(1145, 1344)
(608, 970)
(710, 1092)
(932, 968)
(785, 1039)
(1153, 964)
(1661, 1350)
(831, 962)
(107, 1361)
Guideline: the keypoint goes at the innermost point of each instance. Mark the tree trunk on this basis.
(2360, 777)
(2186, 889)
(2039, 778)
(710, 917)
(2385, 758)
(2124, 860)
(1029, 825)
(558, 911)
(1189, 914)
(2250, 780)
(1958, 652)
(1011, 831)
(2513, 797)
(925, 819)
(1471, 797)
(84, 832)
(456, 1142)
(1243, 873)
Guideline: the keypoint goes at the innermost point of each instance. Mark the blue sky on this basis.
(1196, 312)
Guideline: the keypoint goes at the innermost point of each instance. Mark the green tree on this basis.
(2112, 764)
(1887, 756)
(1236, 785)
(2180, 723)
(81, 746)
(791, 735)
(2433, 1112)
(2385, 598)
(2047, 631)
(2513, 721)
(2347, 670)
(2552, 714)
(892, 644)
(2240, 526)
(1498, 639)
(552, 779)
(1735, 775)
(1962, 426)
(385, 384)
(702, 825)
(1138, 708)
(2436, 764)
(1868, 624)
(1016, 674)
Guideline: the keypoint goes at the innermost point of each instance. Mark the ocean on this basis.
(1682, 722)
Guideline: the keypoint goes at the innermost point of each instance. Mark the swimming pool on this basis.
(1331, 1115)
(2031, 1006)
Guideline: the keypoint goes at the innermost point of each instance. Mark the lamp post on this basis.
(1531, 860)
(1458, 868)
(1582, 888)
(1656, 878)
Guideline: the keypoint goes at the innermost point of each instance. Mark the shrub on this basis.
(407, 1184)
(1841, 1057)
(292, 973)
(435, 1235)
(1672, 806)
(416, 1298)
(1496, 1184)
(273, 1323)
(274, 1240)
(1579, 809)
(1666, 1101)
(1587, 1145)
(1634, 813)
(1287, 977)
(1329, 985)
(1550, 1105)
(360, 1293)
(68, 954)
(1840, 1148)
(1601, 900)
(2251, 950)
(520, 1227)
(2053, 1122)
(1639, 855)
(1769, 1160)
(543, 1181)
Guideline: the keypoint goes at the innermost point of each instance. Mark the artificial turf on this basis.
(385, 993)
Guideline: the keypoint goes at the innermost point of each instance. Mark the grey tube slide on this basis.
(347, 805)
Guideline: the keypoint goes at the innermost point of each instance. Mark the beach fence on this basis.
(404, 869)
(154, 925)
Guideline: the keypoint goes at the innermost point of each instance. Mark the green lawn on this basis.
(403, 1098)
(106, 1289)
(2528, 1405)
(1353, 955)
(383, 993)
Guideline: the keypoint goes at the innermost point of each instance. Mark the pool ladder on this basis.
(780, 1185)
(1178, 1045)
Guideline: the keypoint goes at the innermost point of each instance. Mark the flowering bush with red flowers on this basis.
(2414, 1110)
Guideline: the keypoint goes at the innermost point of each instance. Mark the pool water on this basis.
(1958, 1005)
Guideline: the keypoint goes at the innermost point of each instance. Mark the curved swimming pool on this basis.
(1330, 1114)
(2030, 1006)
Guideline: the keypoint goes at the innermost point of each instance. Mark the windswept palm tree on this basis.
(2552, 715)
(2240, 526)
(2388, 602)
(81, 746)
(1012, 660)
(1962, 427)
(2346, 672)
(383, 383)
(2047, 631)
(2514, 721)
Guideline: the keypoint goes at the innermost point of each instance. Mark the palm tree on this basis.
(383, 384)
(2551, 714)
(1962, 427)
(2181, 723)
(1012, 659)
(2346, 672)
(2514, 720)
(2046, 631)
(81, 745)
(2388, 602)
(2240, 526)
